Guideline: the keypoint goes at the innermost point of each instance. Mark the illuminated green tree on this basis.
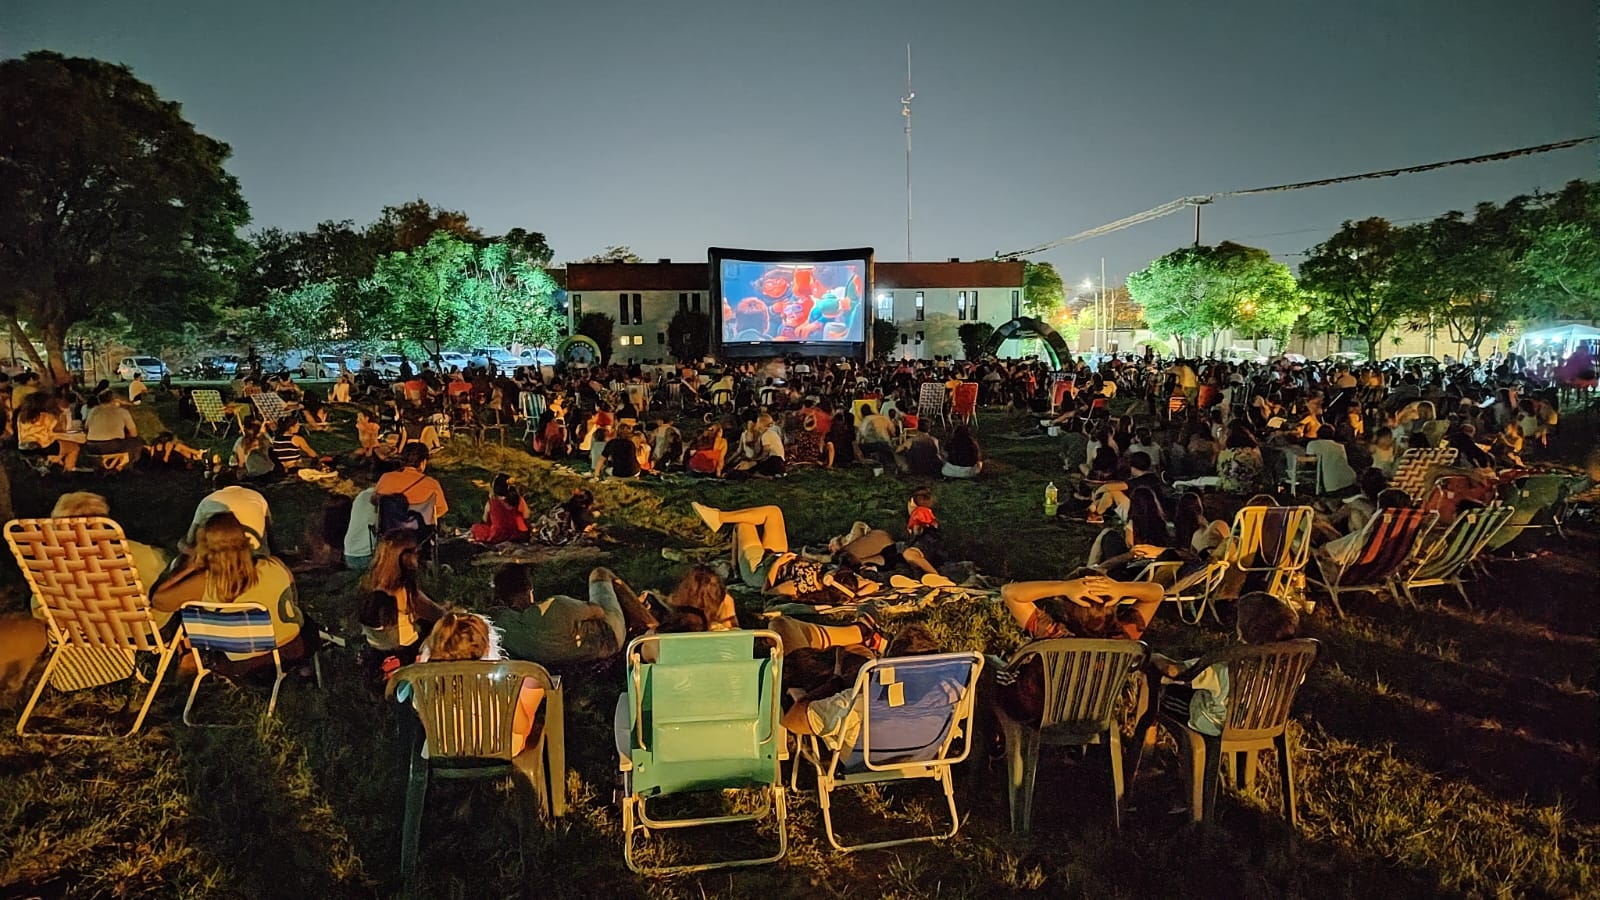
(1042, 290)
(1464, 271)
(1193, 292)
(1352, 279)
(1561, 265)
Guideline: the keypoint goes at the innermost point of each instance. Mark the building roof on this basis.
(656, 276)
(976, 274)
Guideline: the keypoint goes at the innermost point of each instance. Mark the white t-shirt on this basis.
(360, 539)
(109, 422)
(772, 442)
(248, 506)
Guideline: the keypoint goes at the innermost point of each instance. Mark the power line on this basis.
(1172, 206)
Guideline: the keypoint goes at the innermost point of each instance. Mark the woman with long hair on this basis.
(963, 457)
(222, 568)
(463, 637)
(395, 614)
(1193, 530)
(42, 429)
(505, 515)
(1239, 466)
(701, 589)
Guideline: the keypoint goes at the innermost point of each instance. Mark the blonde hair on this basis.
(80, 503)
(461, 636)
(222, 548)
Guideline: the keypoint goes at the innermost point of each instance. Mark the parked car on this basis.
(388, 364)
(1244, 354)
(152, 367)
(449, 359)
(324, 365)
(1347, 358)
(502, 358)
(1415, 362)
(221, 366)
(536, 356)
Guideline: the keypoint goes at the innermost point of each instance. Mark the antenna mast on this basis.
(905, 110)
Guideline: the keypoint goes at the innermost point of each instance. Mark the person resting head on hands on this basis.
(462, 637)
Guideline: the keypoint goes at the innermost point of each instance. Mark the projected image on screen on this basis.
(792, 302)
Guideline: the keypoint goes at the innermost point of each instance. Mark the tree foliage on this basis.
(614, 254)
(973, 336)
(1196, 291)
(689, 334)
(1463, 271)
(1042, 290)
(885, 338)
(111, 203)
(1352, 276)
(601, 329)
(1560, 266)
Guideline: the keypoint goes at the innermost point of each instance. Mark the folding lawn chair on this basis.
(95, 606)
(532, 406)
(1084, 681)
(905, 715)
(229, 628)
(1443, 560)
(1262, 680)
(270, 406)
(930, 403)
(1536, 501)
(1387, 543)
(1268, 544)
(1411, 475)
(702, 716)
(467, 710)
(1191, 592)
(213, 414)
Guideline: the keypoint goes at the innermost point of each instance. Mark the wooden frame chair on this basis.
(702, 715)
(1262, 680)
(911, 710)
(1084, 680)
(1443, 560)
(1387, 543)
(97, 610)
(213, 413)
(466, 710)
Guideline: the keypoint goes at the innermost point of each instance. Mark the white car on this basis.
(452, 360)
(536, 356)
(324, 365)
(1244, 354)
(151, 367)
(388, 365)
(502, 358)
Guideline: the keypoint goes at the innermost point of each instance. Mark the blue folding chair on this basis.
(702, 715)
(228, 628)
(905, 716)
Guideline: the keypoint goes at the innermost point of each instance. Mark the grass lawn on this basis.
(1439, 752)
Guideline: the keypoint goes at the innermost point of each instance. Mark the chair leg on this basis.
(1212, 772)
(1461, 589)
(1022, 765)
(1246, 773)
(411, 829)
(1114, 741)
(1192, 763)
(155, 685)
(44, 679)
(200, 674)
(1286, 775)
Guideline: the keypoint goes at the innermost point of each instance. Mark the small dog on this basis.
(22, 642)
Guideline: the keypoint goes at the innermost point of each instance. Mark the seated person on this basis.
(710, 451)
(290, 450)
(110, 430)
(505, 515)
(149, 561)
(251, 457)
(166, 445)
(829, 712)
(464, 636)
(1353, 512)
(1342, 550)
(395, 614)
(921, 456)
(619, 457)
(1201, 704)
(806, 445)
(248, 507)
(422, 491)
(963, 457)
(1115, 494)
(1333, 461)
(562, 630)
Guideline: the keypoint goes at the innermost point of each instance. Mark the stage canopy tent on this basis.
(1567, 336)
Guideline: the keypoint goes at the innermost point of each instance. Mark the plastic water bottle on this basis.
(1050, 498)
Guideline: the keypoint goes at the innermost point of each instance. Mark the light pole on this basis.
(905, 110)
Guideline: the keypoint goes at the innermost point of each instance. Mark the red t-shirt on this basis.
(921, 517)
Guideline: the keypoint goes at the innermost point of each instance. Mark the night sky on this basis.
(673, 126)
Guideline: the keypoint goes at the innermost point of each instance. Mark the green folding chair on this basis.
(702, 715)
(905, 716)
(467, 710)
(1442, 562)
(1536, 502)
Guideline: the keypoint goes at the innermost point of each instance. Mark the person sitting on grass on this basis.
(1201, 702)
(921, 456)
(805, 445)
(464, 636)
(42, 430)
(367, 443)
(395, 614)
(1143, 538)
(963, 457)
(222, 568)
(251, 457)
(1116, 494)
(290, 450)
(598, 438)
(840, 447)
(505, 515)
(110, 429)
(619, 457)
(709, 453)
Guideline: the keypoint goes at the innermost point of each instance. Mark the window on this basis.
(695, 301)
(1016, 304)
(919, 337)
(973, 309)
(683, 303)
(920, 310)
(661, 337)
(886, 307)
(638, 310)
(961, 306)
(577, 305)
(904, 339)
(622, 310)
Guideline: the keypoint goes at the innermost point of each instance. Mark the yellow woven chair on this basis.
(97, 610)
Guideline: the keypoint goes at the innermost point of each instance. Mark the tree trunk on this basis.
(6, 512)
(55, 343)
(22, 340)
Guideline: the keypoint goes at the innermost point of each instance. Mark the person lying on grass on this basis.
(762, 558)
(562, 630)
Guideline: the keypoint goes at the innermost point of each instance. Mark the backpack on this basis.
(395, 512)
(555, 527)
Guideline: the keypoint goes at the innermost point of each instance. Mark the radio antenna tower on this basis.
(905, 110)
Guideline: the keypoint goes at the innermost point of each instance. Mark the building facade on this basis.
(928, 302)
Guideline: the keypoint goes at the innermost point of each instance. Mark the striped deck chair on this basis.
(228, 628)
(1269, 547)
(1387, 543)
(213, 414)
(96, 608)
(930, 403)
(270, 406)
(964, 404)
(1411, 475)
(1537, 502)
(906, 715)
(1443, 560)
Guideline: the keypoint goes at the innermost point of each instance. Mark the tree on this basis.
(412, 225)
(1042, 290)
(1560, 267)
(1352, 277)
(689, 334)
(529, 246)
(885, 338)
(599, 328)
(110, 203)
(613, 255)
(1464, 271)
(1194, 291)
(973, 336)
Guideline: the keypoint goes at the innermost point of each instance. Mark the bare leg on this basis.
(69, 454)
(915, 558)
(798, 635)
(869, 547)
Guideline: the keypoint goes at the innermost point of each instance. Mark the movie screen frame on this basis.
(812, 317)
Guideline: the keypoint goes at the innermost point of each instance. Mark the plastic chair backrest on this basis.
(228, 627)
(930, 399)
(82, 573)
(912, 708)
(1262, 681)
(1083, 680)
(964, 400)
(209, 404)
(467, 708)
(1390, 537)
(1467, 535)
(705, 714)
